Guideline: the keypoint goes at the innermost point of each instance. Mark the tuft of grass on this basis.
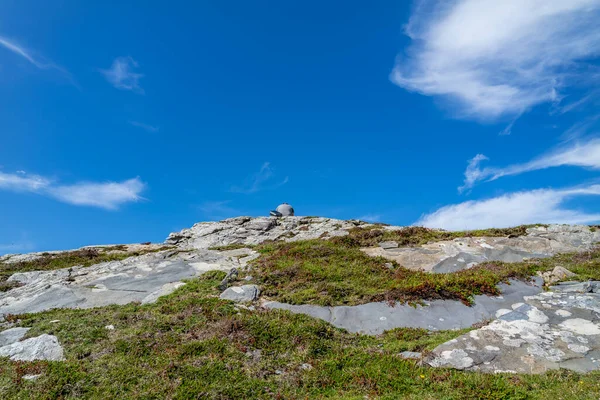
(83, 257)
(416, 235)
(327, 272)
(191, 345)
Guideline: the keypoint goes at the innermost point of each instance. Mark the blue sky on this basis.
(124, 121)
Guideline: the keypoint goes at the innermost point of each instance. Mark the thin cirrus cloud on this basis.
(38, 62)
(107, 195)
(584, 154)
(122, 76)
(490, 59)
(146, 127)
(261, 180)
(526, 207)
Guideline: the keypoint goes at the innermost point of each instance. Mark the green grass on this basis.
(83, 257)
(416, 235)
(192, 345)
(331, 273)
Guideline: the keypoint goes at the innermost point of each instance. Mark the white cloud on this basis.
(36, 61)
(370, 218)
(108, 195)
(121, 74)
(259, 181)
(23, 182)
(527, 207)
(579, 154)
(149, 128)
(491, 58)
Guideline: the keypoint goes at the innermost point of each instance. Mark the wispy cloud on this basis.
(490, 58)
(527, 207)
(262, 180)
(218, 210)
(107, 195)
(37, 61)
(149, 128)
(121, 75)
(370, 218)
(580, 154)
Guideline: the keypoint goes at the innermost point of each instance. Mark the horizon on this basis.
(145, 120)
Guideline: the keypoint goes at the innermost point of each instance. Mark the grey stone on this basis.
(375, 318)
(230, 277)
(388, 245)
(43, 347)
(463, 253)
(408, 355)
(548, 331)
(31, 377)
(240, 294)
(12, 335)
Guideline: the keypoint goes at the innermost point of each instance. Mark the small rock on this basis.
(230, 277)
(411, 355)
(388, 245)
(557, 274)
(389, 265)
(110, 327)
(306, 367)
(249, 278)
(31, 377)
(240, 294)
(278, 371)
(55, 321)
(43, 347)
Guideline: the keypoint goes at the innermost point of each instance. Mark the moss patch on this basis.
(193, 345)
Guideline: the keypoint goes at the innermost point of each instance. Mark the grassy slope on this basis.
(332, 273)
(192, 345)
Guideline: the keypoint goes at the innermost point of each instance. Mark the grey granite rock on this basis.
(375, 318)
(43, 347)
(464, 253)
(12, 335)
(241, 294)
(549, 330)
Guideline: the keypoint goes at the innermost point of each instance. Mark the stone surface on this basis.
(12, 335)
(43, 347)
(375, 318)
(241, 294)
(556, 275)
(463, 253)
(550, 330)
(230, 277)
(251, 231)
(410, 355)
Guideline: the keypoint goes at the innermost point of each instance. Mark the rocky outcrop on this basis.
(252, 231)
(463, 253)
(550, 330)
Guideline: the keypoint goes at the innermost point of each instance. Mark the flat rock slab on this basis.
(143, 278)
(463, 253)
(43, 347)
(376, 318)
(550, 330)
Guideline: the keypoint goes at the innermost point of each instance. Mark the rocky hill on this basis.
(520, 300)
